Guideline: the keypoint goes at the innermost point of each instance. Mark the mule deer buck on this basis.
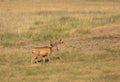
(45, 51)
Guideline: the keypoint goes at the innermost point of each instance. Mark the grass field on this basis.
(89, 28)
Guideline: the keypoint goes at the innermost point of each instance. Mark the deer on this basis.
(45, 51)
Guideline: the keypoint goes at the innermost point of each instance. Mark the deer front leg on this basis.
(44, 59)
(33, 59)
(49, 58)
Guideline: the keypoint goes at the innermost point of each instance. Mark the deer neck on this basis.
(53, 48)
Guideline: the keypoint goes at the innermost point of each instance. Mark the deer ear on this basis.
(52, 43)
(61, 41)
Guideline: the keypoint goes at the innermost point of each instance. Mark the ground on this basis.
(90, 31)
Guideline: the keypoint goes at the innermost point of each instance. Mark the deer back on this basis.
(42, 51)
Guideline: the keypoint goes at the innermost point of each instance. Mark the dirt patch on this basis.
(107, 32)
(99, 38)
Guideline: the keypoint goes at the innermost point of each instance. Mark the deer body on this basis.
(44, 51)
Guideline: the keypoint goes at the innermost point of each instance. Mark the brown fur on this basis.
(45, 51)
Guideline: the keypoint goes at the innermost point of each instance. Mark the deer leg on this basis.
(36, 60)
(49, 58)
(43, 59)
(33, 59)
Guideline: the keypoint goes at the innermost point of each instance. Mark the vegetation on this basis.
(89, 28)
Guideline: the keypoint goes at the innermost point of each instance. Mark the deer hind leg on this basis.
(36, 60)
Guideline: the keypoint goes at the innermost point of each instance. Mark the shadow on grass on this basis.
(47, 60)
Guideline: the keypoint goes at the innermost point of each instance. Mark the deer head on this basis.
(55, 44)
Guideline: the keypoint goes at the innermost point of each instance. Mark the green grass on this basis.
(72, 66)
(89, 28)
(67, 27)
(65, 70)
(54, 29)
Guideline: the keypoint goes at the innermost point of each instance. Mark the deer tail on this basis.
(33, 51)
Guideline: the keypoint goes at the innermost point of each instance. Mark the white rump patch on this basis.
(33, 51)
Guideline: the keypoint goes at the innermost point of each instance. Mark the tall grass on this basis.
(57, 28)
(37, 24)
(72, 66)
(85, 57)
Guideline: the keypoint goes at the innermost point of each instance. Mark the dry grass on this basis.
(90, 29)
